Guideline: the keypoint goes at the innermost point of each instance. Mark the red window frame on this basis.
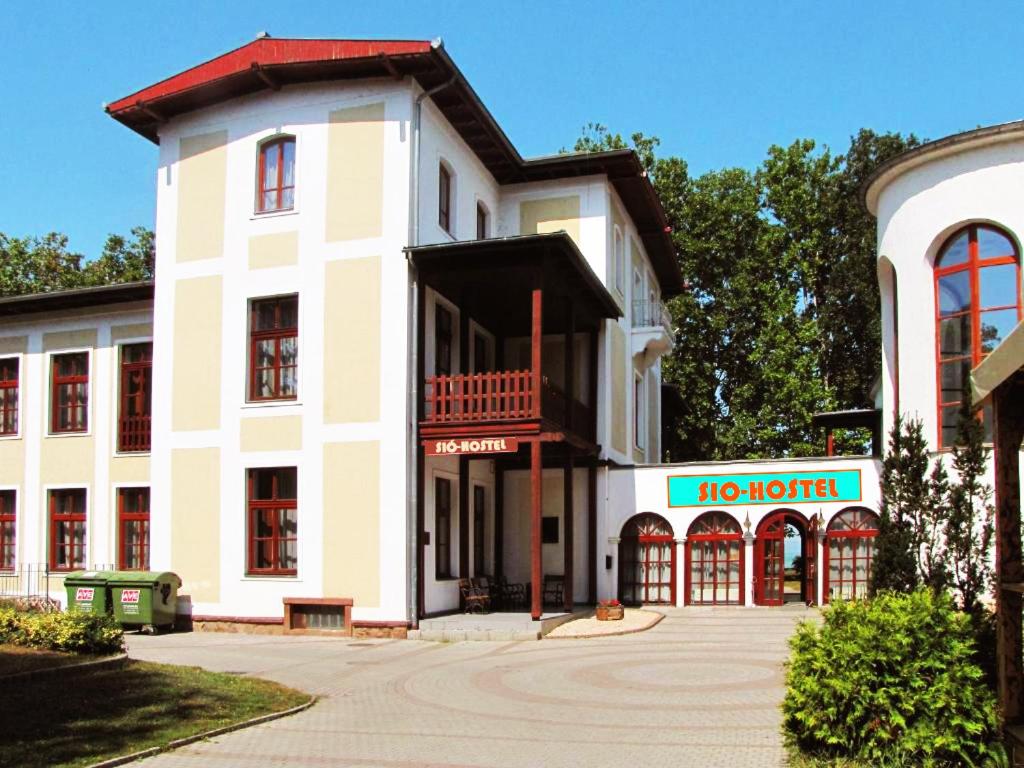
(650, 533)
(277, 188)
(444, 203)
(10, 369)
(442, 524)
(133, 554)
(860, 532)
(76, 406)
(8, 529)
(276, 334)
(67, 513)
(136, 401)
(973, 266)
(275, 537)
(713, 528)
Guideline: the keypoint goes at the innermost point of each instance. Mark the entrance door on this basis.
(770, 560)
(647, 562)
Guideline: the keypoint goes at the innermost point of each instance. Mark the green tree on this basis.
(780, 316)
(969, 513)
(905, 492)
(43, 264)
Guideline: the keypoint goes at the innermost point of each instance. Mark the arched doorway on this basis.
(714, 561)
(647, 561)
(784, 560)
(849, 548)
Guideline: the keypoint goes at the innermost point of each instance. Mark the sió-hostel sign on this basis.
(764, 488)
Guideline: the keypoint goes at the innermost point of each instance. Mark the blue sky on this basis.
(718, 82)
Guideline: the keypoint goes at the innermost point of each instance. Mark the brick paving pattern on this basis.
(701, 688)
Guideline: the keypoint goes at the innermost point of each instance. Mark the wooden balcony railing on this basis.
(133, 434)
(500, 395)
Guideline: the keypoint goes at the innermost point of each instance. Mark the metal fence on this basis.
(36, 580)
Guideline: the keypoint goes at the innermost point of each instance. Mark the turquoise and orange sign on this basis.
(764, 488)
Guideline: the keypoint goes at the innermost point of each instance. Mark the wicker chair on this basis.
(513, 596)
(554, 590)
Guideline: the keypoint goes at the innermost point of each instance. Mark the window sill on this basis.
(270, 404)
(273, 214)
(278, 577)
(129, 454)
(68, 434)
(15, 436)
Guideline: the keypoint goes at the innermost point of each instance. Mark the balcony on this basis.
(133, 434)
(652, 332)
(501, 398)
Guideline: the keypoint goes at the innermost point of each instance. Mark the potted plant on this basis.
(610, 610)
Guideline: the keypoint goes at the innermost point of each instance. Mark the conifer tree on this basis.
(894, 565)
(969, 513)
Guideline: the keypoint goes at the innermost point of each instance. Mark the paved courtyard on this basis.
(701, 688)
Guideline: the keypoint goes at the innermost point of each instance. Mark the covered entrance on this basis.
(784, 560)
(647, 561)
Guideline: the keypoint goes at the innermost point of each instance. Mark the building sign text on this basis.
(764, 488)
(471, 445)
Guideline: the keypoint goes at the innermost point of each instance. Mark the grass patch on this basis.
(91, 716)
(15, 659)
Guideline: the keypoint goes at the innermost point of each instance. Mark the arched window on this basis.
(849, 548)
(647, 563)
(714, 561)
(276, 175)
(978, 302)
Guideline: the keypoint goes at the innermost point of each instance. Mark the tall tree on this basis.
(43, 264)
(780, 316)
(894, 564)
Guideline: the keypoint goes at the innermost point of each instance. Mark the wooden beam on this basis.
(1008, 417)
(389, 65)
(463, 517)
(536, 341)
(536, 513)
(499, 519)
(148, 110)
(568, 543)
(263, 75)
(592, 534)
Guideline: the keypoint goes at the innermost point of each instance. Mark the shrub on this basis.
(891, 681)
(72, 632)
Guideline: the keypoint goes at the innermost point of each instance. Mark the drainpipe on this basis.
(413, 388)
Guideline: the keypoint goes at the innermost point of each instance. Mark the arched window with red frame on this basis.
(276, 175)
(849, 550)
(714, 561)
(977, 304)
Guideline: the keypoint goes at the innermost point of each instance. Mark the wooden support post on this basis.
(1008, 417)
(830, 443)
(536, 512)
(568, 524)
(463, 517)
(499, 519)
(421, 314)
(536, 342)
(592, 533)
(570, 364)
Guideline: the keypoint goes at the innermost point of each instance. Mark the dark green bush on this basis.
(891, 681)
(72, 632)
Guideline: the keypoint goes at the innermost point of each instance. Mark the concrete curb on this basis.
(597, 635)
(177, 743)
(36, 674)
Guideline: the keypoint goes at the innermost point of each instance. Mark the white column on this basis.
(820, 566)
(680, 571)
(748, 569)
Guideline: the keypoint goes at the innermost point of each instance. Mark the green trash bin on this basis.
(141, 598)
(88, 591)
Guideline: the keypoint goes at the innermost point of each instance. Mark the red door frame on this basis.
(714, 537)
(648, 539)
(830, 535)
(785, 515)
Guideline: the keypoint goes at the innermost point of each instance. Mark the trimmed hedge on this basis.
(71, 632)
(891, 681)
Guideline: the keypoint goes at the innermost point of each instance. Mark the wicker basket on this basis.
(610, 612)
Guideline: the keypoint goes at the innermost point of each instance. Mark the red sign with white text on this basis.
(461, 446)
